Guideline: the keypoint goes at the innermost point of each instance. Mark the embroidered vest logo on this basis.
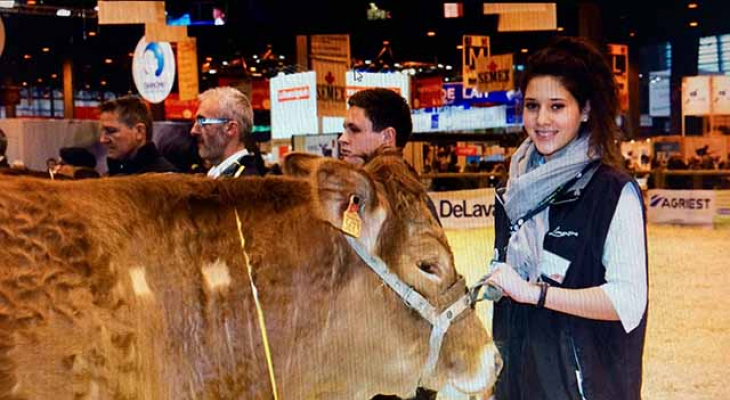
(560, 234)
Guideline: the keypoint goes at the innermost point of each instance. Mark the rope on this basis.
(259, 310)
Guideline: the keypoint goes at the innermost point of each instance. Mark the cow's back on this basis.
(129, 289)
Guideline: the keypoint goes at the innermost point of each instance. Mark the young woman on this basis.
(571, 241)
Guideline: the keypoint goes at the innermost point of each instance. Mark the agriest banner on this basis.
(685, 207)
(465, 209)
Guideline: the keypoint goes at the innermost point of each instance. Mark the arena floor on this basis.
(687, 355)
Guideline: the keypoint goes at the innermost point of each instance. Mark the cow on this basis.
(169, 286)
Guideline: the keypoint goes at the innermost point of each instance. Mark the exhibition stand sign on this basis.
(153, 70)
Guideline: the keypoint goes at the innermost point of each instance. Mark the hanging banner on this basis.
(721, 94)
(153, 70)
(659, 104)
(2, 37)
(473, 48)
(260, 95)
(330, 47)
(330, 87)
(620, 64)
(293, 105)
(696, 95)
(518, 17)
(495, 73)
(187, 76)
(130, 12)
(396, 81)
(427, 92)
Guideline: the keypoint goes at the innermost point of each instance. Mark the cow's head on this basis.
(398, 227)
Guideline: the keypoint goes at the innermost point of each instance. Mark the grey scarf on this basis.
(529, 183)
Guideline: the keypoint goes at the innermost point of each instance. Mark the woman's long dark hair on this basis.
(586, 74)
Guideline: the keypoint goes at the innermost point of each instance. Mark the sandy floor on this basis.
(687, 354)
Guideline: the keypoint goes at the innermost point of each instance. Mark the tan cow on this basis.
(137, 288)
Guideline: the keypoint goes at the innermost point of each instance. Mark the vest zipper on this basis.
(578, 370)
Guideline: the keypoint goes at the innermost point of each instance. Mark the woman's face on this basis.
(551, 114)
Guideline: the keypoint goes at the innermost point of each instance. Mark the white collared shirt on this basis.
(217, 170)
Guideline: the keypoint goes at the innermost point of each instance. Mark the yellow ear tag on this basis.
(351, 222)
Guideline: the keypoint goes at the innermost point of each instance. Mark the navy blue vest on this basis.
(543, 349)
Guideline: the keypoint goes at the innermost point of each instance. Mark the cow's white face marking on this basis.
(139, 282)
(216, 275)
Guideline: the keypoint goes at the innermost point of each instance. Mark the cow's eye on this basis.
(428, 267)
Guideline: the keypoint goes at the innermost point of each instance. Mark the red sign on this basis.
(81, 112)
(176, 109)
(260, 95)
(464, 151)
(427, 92)
(291, 94)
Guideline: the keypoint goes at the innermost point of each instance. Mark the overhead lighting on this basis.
(92, 33)
(560, 29)
(63, 12)
(30, 2)
(430, 33)
(524, 50)
(103, 83)
(208, 59)
(632, 34)
(212, 71)
(27, 56)
(693, 24)
(40, 80)
(45, 49)
(108, 61)
(692, 5)
(54, 76)
(459, 47)
(7, 3)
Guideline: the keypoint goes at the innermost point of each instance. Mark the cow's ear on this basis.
(300, 164)
(335, 183)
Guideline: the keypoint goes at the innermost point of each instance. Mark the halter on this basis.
(440, 318)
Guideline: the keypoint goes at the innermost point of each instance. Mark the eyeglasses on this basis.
(210, 121)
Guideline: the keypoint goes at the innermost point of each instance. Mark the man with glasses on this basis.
(126, 132)
(222, 129)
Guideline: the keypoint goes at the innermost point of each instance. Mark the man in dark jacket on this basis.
(3, 149)
(126, 132)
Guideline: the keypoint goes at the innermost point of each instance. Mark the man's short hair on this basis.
(234, 105)
(385, 108)
(3, 143)
(131, 110)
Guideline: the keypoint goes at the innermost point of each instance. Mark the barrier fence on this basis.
(471, 203)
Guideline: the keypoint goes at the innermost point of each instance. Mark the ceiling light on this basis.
(693, 24)
(27, 56)
(459, 47)
(107, 61)
(54, 76)
(560, 29)
(103, 83)
(692, 5)
(30, 2)
(63, 12)
(524, 50)
(92, 33)
(45, 49)
(430, 33)
(632, 34)
(212, 71)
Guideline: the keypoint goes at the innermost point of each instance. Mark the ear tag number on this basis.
(351, 222)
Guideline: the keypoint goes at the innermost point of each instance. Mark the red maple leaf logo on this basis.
(329, 78)
(492, 66)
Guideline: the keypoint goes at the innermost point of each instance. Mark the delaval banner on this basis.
(685, 207)
(153, 70)
(465, 209)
